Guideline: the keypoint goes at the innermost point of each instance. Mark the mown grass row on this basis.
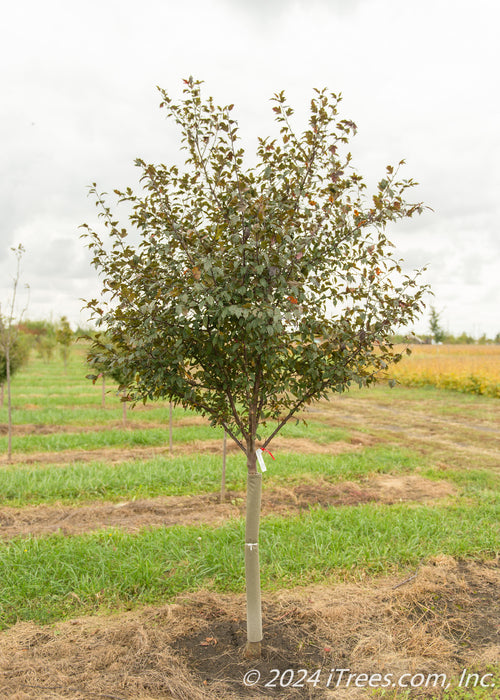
(190, 474)
(151, 437)
(51, 578)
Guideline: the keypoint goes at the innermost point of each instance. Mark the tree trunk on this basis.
(124, 413)
(223, 477)
(103, 397)
(252, 569)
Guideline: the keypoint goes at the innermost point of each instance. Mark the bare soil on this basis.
(131, 424)
(442, 619)
(206, 508)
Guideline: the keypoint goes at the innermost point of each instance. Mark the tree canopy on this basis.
(252, 291)
(64, 336)
(18, 357)
(436, 329)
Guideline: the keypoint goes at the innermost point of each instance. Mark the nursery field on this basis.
(122, 572)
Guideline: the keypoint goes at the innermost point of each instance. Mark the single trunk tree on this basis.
(64, 336)
(9, 404)
(122, 375)
(252, 291)
(124, 412)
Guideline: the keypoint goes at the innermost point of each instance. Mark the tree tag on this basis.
(260, 460)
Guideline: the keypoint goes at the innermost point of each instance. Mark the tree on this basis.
(42, 335)
(18, 356)
(465, 339)
(11, 349)
(252, 291)
(435, 326)
(64, 336)
(46, 342)
(121, 374)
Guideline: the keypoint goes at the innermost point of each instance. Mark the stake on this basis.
(170, 441)
(9, 404)
(223, 479)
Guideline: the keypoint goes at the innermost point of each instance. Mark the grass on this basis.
(150, 437)
(56, 577)
(438, 401)
(55, 442)
(470, 688)
(479, 483)
(190, 474)
(43, 395)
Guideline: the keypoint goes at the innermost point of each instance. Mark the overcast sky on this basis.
(419, 77)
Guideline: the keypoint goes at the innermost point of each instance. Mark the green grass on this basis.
(189, 474)
(78, 412)
(91, 440)
(128, 437)
(55, 577)
(480, 483)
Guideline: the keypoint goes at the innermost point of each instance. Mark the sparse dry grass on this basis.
(442, 620)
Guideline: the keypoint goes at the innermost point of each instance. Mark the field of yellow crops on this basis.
(471, 369)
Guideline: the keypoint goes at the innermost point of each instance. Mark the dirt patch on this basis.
(36, 429)
(50, 429)
(444, 620)
(63, 457)
(206, 508)
(130, 424)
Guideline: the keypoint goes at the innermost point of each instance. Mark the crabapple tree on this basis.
(246, 293)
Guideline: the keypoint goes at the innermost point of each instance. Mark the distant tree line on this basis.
(43, 337)
(447, 339)
(46, 337)
(437, 334)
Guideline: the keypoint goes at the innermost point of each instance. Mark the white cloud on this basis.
(79, 104)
